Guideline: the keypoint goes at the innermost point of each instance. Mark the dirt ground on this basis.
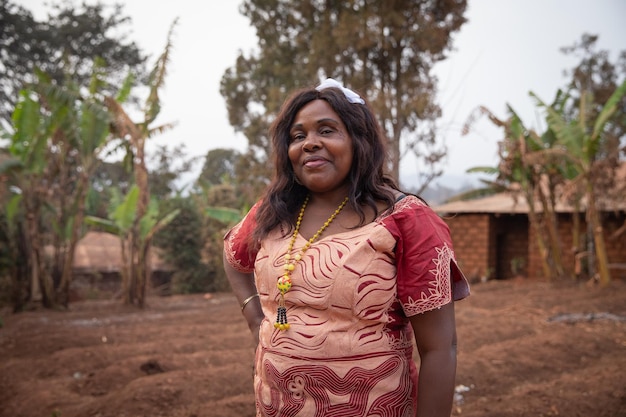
(525, 349)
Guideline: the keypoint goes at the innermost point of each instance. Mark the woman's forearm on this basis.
(244, 288)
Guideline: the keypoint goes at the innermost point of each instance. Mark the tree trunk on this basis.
(141, 179)
(541, 244)
(32, 205)
(36, 261)
(133, 264)
(556, 248)
(595, 223)
(141, 277)
(125, 269)
(68, 259)
(577, 247)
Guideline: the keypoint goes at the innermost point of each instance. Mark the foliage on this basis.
(592, 81)
(598, 75)
(60, 127)
(585, 141)
(182, 242)
(69, 41)
(57, 134)
(123, 222)
(217, 200)
(224, 214)
(106, 178)
(122, 217)
(193, 242)
(57, 129)
(166, 167)
(385, 50)
(219, 167)
(14, 285)
(525, 171)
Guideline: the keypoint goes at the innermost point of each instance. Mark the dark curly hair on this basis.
(368, 182)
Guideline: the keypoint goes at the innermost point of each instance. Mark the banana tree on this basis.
(57, 138)
(54, 148)
(224, 215)
(26, 150)
(121, 222)
(523, 170)
(136, 135)
(82, 135)
(582, 139)
(13, 262)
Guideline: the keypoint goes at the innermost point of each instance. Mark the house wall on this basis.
(472, 235)
(616, 245)
(486, 244)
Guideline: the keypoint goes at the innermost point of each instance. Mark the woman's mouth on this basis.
(314, 162)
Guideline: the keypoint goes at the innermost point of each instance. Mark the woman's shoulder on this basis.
(411, 214)
(410, 203)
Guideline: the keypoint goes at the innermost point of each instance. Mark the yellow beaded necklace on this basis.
(284, 282)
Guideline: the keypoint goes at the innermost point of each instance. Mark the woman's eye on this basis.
(297, 137)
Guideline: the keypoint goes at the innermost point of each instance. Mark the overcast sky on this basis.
(506, 49)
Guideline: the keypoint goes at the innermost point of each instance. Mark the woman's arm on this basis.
(243, 287)
(435, 335)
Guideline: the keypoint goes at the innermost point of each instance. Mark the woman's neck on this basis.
(330, 199)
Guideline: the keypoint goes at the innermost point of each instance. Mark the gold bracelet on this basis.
(247, 300)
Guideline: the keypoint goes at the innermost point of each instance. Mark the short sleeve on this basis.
(428, 276)
(237, 250)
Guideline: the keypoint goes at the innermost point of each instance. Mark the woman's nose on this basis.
(311, 143)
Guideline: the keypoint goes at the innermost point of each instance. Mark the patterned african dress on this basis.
(349, 350)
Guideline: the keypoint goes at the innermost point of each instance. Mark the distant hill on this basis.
(444, 187)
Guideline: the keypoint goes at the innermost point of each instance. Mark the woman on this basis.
(337, 271)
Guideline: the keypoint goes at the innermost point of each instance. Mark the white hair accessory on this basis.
(350, 95)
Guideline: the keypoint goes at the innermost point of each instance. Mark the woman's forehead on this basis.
(316, 111)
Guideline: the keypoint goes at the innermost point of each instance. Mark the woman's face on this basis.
(320, 149)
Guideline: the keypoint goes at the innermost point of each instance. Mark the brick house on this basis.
(492, 237)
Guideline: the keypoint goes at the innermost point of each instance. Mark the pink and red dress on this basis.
(349, 349)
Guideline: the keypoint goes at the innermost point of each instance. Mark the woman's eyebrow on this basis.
(319, 122)
(328, 120)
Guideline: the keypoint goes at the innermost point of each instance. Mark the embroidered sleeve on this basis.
(427, 274)
(237, 250)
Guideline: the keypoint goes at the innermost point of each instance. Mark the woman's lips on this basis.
(314, 162)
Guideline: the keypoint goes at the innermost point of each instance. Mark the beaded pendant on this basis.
(284, 282)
